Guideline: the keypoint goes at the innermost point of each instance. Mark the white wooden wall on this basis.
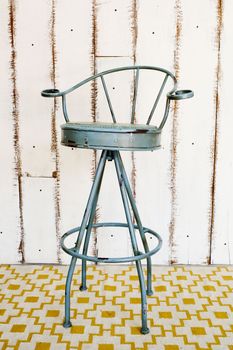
(184, 191)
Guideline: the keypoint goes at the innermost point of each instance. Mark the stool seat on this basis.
(111, 136)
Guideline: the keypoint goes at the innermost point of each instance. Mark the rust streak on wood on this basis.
(93, 110)
(214, 148)
(54, 141)
(134, 30)
(174, 140)
(93, 63)
(15, 115)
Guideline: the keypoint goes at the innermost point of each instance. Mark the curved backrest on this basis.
(101, 76)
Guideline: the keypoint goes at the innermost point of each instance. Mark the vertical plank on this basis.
(113, 241)
(222, 241)
(40, 230)
(74, 45)
(54, 125)
(155, 46)
(34, 76)
(11, 225)
(113, 22)
(113, 50)
(193, 133)
(37, 125)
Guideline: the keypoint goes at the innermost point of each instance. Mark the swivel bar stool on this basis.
(110, 138)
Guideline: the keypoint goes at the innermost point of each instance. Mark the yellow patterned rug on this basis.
(192, 308)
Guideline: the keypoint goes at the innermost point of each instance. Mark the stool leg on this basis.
(138, 220)
(144, 329)
(88, 234)
(67, 322)
(91, 198)
(86, 215)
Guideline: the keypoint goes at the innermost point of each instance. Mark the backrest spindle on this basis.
(157, 100)
(108, 98)
(135, 96)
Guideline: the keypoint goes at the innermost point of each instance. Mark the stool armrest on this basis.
(180, 94)
(174, 95)
(51, 93)
(57, 93)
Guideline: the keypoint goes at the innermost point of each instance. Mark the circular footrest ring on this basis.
(73, 251)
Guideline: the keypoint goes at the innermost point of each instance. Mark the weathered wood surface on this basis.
(183, 191)
(11, 225)
(110, 43)
(74, 62)
(192, 156)
(222, 237)
(155, 45)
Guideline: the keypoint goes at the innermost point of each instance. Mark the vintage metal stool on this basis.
(111, 138)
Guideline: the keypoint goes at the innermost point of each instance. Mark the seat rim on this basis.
(110, 127)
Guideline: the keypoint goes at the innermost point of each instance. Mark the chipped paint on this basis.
(214, 147)
(15, 115)
(54, 141)
(174, 141)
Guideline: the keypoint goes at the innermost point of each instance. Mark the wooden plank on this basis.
(39, 223)
(111, 242)
(75, 61)
(193, 132)
(222, 240)
(109, 45)
(10, 225)
(113, 23)
(33, 76)
(155, 46)
(35, 34)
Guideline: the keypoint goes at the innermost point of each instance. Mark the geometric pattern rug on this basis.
(191, 308)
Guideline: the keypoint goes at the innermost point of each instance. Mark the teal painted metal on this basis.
(135, 96)
(87, 225)
(75, 251)
(127, 137)
(111, 138)
(108, 98)
(141, 229)
(157, 100)
(57, 93)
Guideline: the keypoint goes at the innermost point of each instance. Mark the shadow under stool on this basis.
(111, 138)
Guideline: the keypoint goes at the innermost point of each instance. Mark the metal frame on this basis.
(87, 225)
(171, 95)
(84, 231)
